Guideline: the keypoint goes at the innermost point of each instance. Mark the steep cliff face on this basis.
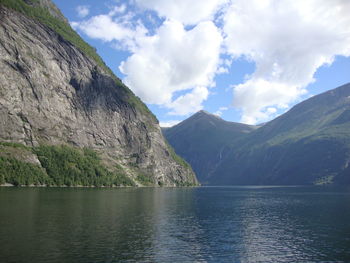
(52, 93)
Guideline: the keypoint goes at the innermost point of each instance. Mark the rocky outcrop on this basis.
(53, 93)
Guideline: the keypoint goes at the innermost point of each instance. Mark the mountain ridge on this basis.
(309, 144)
(203, 156)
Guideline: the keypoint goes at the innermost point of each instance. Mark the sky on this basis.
(244, 60)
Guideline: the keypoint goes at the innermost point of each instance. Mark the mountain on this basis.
(310, 144)
(204, 139)
(65, 118)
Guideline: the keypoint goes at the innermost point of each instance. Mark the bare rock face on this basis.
(52, 93)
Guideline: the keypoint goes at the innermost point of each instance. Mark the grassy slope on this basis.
(64, 166)
(61, 165)
(303, 146)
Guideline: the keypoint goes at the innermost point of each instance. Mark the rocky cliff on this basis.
(55, 91)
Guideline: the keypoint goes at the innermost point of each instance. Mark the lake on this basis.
(206, 224)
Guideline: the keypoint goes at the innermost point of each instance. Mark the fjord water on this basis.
(207, 224)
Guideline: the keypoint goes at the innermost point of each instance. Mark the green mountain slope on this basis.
(203, 140)
(310, 144)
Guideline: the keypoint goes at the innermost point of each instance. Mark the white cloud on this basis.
(220, 111)
(185, 11)
(288, 41)
(117, 10)
(103, 27)
(174, 60)
(83, 11)
(190, 102)
(167, 124)
(256, 96)
(107, 29)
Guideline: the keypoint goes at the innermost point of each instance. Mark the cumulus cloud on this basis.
(259, 99)
(167, 124)
(172, 60)
(83, 11)
(185, 11)
(103, 27)
(108, 29)
(288, 41)
(190, 102)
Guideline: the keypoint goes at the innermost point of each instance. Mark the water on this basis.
(209, 224)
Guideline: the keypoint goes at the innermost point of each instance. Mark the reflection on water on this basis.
(213, 224)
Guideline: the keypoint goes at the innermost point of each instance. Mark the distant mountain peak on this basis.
(309, 144)
(204, 113)
(203, 140)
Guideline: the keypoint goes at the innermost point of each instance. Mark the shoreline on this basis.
(6, 185)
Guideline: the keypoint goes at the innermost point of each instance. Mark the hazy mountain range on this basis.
(309, 144)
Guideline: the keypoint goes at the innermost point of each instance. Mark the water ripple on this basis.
(214, 224)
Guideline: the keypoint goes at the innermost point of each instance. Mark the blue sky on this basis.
(245, 60)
